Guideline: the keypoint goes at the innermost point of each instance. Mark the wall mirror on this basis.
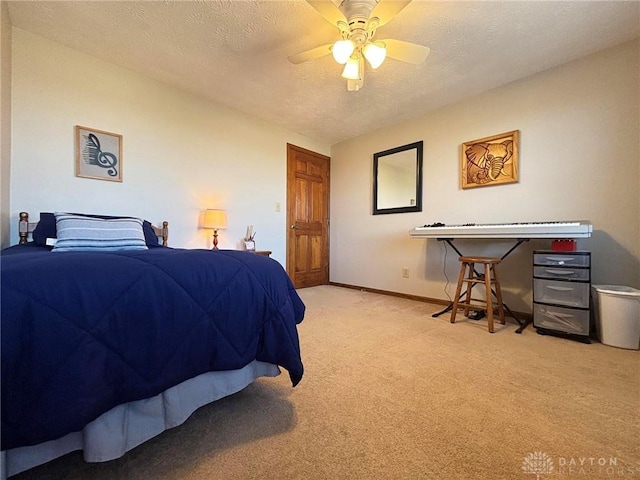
(397, 180)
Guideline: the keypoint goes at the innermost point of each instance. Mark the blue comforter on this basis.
(84, 332)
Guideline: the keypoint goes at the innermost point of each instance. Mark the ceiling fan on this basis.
(357, 21)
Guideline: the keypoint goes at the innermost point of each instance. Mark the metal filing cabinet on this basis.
(561, 293)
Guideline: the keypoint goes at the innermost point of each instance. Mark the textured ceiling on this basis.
(235, 52)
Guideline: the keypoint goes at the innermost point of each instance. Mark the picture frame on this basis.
(490, 161)
(98, 154)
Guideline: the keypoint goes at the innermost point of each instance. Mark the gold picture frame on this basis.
(490, 160)
(98, 154)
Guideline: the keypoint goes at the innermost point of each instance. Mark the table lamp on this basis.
(215, 219)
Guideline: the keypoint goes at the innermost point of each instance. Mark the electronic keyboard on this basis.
(562, 229)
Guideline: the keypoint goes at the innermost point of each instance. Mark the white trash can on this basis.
(618, 315)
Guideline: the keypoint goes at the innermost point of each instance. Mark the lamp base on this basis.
(215, 240)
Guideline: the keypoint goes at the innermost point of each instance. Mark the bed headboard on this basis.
(25, 227)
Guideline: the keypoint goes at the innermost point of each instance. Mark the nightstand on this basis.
(264, 253)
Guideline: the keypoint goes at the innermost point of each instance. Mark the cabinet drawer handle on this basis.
(559, 272)
(560, 289)
(559, 316)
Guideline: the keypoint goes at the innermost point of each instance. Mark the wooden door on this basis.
(307, 217)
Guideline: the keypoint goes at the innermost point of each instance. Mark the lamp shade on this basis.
(215, 219)
(375, 54)
(342, 50)
(352, 69)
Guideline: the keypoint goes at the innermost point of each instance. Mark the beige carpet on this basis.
(391, 393)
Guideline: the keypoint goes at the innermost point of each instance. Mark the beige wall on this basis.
(5, 123)
(579, 159)
(181, 154)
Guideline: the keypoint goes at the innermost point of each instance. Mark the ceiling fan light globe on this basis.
(342, 50)
(352, 69)
(374, 54)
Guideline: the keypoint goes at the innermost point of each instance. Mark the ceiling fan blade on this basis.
(406, 51)
(311, 54)
(385, 10)
(328, 10)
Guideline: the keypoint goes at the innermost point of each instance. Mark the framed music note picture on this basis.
(98, 154)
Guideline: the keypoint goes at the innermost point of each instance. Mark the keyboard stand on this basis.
(522, 323)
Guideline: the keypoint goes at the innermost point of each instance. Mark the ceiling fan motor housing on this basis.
(357, 13)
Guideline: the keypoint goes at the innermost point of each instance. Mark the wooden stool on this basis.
(469, 276)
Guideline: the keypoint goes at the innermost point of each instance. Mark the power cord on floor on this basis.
(444, 270)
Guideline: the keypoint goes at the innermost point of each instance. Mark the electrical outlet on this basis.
(405, 272)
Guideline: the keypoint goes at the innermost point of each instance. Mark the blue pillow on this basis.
(82, 233)
(150, 237)
(46, 228)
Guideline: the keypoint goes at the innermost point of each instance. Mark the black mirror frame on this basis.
(418, 146)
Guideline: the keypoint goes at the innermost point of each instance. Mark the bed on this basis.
(108, 341)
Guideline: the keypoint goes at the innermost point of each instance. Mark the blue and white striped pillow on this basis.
(96, 234)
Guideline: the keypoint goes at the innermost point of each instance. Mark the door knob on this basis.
(293, 226)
